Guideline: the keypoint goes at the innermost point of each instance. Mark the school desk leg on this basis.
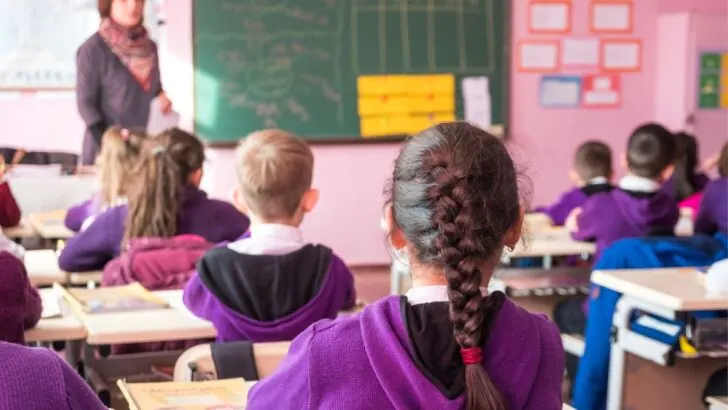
(620, 321)
(73, 353)
(547, 261)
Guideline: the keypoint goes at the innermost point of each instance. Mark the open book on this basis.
(229, 394)
(126, 298)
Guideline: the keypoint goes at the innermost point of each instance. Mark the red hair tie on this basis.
(472, 355)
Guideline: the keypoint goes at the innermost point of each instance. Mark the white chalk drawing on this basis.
(273, 72)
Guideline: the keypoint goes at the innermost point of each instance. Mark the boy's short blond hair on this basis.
(275, 169)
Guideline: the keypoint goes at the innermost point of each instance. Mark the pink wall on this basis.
(351, 178)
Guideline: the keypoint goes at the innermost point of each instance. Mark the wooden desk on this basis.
(22, 231)
(42, 267)
(664, 382)
(176, 323)
(50, 225)
(554, 241)
(66, 327)
(673, 289)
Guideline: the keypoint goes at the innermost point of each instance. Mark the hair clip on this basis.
(157, 150)
(125, 134)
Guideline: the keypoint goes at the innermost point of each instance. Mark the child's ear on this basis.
(514, 233)
(667, 172)
(309, 200)
(195, 177)
(575, 179)
(623, 161)
(239, 201)
(396, 236)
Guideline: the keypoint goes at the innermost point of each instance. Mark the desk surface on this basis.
(533, 279)
(675, 288)
(176, 323)
(67, 327)
(50, 225)
(554, 241)
(42, 267)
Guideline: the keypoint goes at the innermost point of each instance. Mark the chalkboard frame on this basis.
(383, 140)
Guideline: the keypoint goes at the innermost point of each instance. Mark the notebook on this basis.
(228, 394)
(132, 297)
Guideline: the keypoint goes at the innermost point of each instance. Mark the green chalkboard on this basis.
(293, 64)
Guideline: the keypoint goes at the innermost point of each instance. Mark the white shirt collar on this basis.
(433, 293)
(270, 239)
(597, 181)
(636, 183)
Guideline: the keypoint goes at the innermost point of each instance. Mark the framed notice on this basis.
(611, 17)
(621, 55)
(560, 91)
(549, 17)
(538, 56)
(601, 91)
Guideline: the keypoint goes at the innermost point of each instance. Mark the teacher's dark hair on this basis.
(166, 164)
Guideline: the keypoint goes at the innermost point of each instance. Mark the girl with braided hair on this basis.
(452, 208)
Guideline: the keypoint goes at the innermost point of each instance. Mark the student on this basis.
(166, 202)
(20, 303)
(637, 207)
(685, 180)
(713, 214)
(9, 211)
(445, 344)
(591, 175)
(271, 284)
(119, 153)
(38, 379)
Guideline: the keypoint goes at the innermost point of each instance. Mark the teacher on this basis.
(117, 74)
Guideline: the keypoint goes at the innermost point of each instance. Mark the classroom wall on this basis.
(351, 179)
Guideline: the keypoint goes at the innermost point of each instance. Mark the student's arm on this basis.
(25, 295)
(198, 299)
(705, 222)
(346, 279)
(78, 394)
(586, 226)
(33, 308)
(289, 387)
(560, 210)
(78, 214)
(546, 391)
(91, 249)
(9, 211)
(88, 91)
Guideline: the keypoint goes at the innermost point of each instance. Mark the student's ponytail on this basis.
(686, 161)
(167, 162)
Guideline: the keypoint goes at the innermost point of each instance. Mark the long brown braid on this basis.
(167, 161)
(455, 196)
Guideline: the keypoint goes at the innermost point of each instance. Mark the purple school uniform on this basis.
(214, 220)
(266, 298)
(700, 181)
(38, 379)
(394, 355)
(570, 200)
(76, 215)
(608, 217)
(713, 214)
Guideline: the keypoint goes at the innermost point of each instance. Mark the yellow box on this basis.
(724, 100)
(442, 84)
(398, 84)
(432, 103)
(371, 85)
(374, 126)
(725, 63)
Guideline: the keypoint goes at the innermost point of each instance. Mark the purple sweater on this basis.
(366, 362)
(36, 378)
(713, 214)
(20, 303)
(266, 298)
(77, 214)
(216, 221)
(608, 217)
(570, 200)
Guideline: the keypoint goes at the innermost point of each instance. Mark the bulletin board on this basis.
(317, 67)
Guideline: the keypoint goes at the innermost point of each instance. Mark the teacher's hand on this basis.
(164, 103)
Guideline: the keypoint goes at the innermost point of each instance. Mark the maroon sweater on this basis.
(20, 303)
(9, 211)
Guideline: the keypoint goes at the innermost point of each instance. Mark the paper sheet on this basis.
(476, 101)
(580, 52)
(560, 91)
(538, 56)
(612, 17)
(622, 55)
(158, 121)
(549, 17)
(51, 307)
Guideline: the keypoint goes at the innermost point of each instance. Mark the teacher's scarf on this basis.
(133, 47)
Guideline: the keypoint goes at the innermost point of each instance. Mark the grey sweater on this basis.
(108, 94)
